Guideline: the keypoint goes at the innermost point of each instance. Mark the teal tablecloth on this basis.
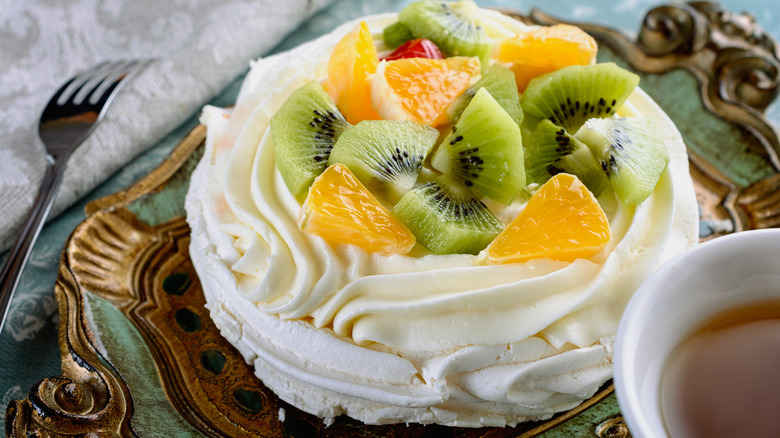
(28, 344)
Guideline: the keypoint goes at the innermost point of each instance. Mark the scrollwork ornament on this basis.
(747, 78)
(672, 29)
(614, 427)
(62, 394)
(58, 404)
(87, 399)
(735, 27)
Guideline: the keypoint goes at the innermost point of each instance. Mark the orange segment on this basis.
(341, 210)
(562, 221)
(545, 49)
(420, 89)
(353, 59)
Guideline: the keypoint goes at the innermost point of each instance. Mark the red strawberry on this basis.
(416, 48)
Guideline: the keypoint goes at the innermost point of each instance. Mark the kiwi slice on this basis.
(484, 151)
(447, 218)
(451, 25)
(304, 131)
(385, 155)
(571, 95)
(550, 150)
(396, 34)
(630, 153)
(499, 81)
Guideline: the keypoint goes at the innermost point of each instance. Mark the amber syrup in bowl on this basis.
(723, 380)
(697, 351)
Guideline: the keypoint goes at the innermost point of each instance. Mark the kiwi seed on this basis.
(550, 150)
(447, 218)
(385, 155)
(304, 131)
(484, 150)
(571, 95)
(630, 152)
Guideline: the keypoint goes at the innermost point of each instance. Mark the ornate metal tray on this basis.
(140, 356)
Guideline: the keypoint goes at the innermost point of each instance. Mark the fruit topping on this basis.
(304, 131)
(484, 151)
(416, 48)
(500, 82)
(630, 153)
(353, 59)
(420, 89)
(352, 172)
(572, 95)
(451, 25)
(341, 210)
(385, 155)
(545, 49)
(447, 218)
(550, 150)
(561, 221)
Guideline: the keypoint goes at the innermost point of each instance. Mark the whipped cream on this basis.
(424, 338)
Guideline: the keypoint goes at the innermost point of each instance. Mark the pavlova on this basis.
(436, 216)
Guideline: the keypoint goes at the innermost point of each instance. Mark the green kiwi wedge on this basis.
(304, 131)
(550, 150)
(396, 34)
(447, 218)
(499, 81)
(451, 25)
(571, 95)
(385, 155)
(484, 150)
(630, 152)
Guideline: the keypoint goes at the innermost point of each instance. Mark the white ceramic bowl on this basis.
(705, 280)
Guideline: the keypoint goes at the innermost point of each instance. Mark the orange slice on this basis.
(341, 210)
(353, 59)
(545, 49)
(562, 221)
(420, 89)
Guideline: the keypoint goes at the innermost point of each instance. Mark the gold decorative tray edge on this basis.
(88, 397)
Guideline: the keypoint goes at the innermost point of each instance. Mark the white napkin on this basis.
(199, 46)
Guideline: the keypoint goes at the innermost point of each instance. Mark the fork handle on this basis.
(20, 252)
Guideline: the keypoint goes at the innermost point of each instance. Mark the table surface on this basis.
(28, 344)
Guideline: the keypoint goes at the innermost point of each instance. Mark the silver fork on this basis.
(70, 116)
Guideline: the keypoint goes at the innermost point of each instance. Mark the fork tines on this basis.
(93, 87)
